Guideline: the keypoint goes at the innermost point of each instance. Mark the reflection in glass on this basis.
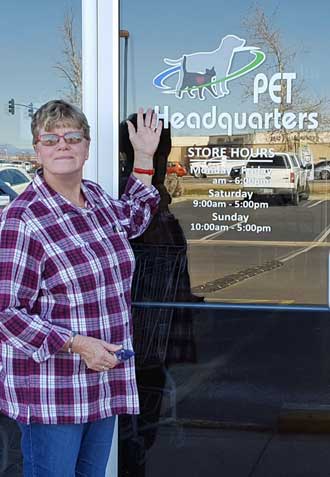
(161, 336)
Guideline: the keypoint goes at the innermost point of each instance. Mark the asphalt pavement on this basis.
(230, 453)
(288, 265)
(222, 410)
(256, 403)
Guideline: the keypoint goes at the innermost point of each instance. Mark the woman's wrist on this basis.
(143, 161)
(78, 343)
(143, 167)
(145, 178)
(70, 347)
(147, 172)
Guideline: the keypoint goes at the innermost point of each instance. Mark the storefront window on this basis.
(241, 236)
(245, 105)
(41, 59)
(40, 49)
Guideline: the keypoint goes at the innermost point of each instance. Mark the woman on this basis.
(65, 275)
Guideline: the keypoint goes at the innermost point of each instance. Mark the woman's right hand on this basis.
(97, 354)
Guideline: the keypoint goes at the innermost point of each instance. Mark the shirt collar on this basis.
(57, 202)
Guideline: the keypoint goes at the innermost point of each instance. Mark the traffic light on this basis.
(11, 106)
(30, 110)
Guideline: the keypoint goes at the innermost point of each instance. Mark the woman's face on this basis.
(62, 158)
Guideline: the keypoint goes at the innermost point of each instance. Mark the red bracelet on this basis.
(149, 172)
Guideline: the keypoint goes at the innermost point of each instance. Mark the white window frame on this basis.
(100, 91)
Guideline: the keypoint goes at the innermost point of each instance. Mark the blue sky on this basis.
(173, 28)
(30, 45)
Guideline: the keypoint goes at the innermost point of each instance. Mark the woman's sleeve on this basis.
(136, 206)
(21, 263)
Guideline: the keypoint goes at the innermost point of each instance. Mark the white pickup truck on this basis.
(282, 175)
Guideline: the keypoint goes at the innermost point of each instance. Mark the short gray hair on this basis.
(58, 113)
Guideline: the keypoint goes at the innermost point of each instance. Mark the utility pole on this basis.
(4, 152)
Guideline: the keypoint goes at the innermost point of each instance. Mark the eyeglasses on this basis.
(51, 139)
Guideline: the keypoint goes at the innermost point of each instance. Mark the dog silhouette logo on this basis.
(208, 71)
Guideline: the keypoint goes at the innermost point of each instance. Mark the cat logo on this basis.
(208, 71)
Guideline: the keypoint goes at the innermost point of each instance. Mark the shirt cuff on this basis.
(139, 190)
(54, 341)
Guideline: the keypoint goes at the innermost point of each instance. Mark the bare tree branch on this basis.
(262, 31)
(70, 67)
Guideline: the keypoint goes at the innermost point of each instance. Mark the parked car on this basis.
(204, 167)
(215, 166)
(28, 166)
(236, 171)
(280, 176)
(16, 178)
(303, 175)
(176, 168)
(322, 170)
(7, 194)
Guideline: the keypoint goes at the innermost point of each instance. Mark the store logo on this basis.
(208, 71)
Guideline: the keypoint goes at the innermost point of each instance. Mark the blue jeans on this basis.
(66, 450)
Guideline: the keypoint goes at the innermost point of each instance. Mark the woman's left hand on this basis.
(145, 139)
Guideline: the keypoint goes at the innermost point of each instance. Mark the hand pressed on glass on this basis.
(145, 138)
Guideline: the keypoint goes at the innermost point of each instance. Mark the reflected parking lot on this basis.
(273, 254)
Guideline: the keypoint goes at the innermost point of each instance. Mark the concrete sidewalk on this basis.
(232, 453)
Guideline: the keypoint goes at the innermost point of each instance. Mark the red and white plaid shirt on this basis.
(65, 268)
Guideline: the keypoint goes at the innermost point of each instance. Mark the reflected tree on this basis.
(70, 65)
(262, 31)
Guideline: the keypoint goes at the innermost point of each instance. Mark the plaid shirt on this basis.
(65, 268)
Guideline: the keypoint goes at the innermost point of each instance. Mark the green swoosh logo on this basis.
(258, 60)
